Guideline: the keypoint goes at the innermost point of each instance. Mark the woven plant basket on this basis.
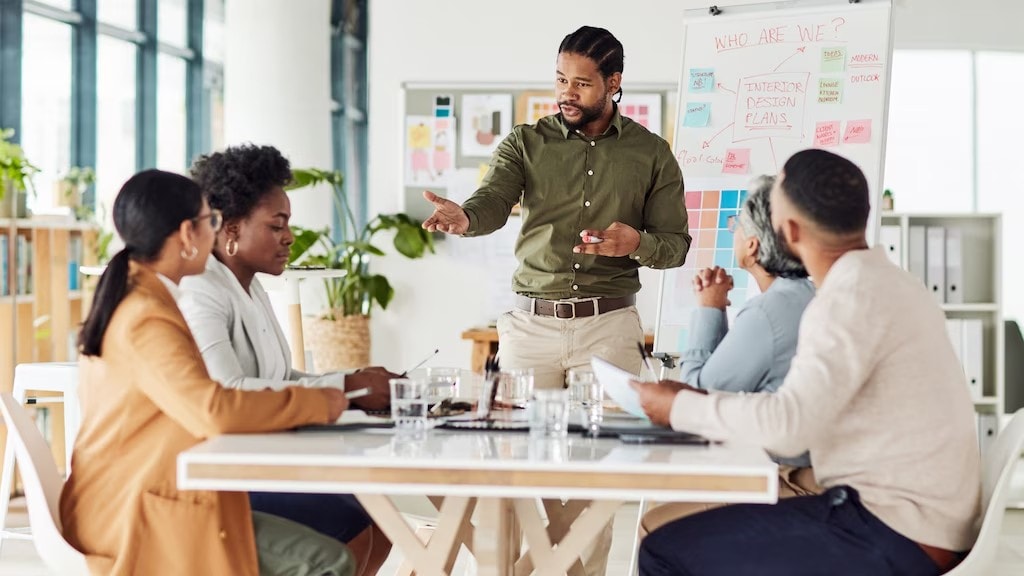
(339, 344)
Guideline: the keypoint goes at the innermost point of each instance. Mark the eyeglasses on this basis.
(731, 224)
(215, 216)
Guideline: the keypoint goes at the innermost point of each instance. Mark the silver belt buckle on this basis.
(570, 305)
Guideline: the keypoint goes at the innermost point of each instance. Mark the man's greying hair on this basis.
(829, 189)
(756, 220)
(599, 45)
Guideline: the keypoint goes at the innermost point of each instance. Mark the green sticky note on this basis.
(833, 59)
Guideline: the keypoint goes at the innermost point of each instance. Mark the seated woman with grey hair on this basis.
(754, 354)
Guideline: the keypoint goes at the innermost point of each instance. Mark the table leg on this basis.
(295, 323)
(479, 356)
(496, 537)
(555, 557)
(438, 555)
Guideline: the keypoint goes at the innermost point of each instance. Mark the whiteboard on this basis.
(759, 82)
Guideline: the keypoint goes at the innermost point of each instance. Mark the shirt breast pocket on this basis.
(630, 183)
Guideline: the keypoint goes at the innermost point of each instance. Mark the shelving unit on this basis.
(981, 260)
(39, 322)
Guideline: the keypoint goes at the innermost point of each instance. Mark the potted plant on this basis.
(71, 187)
(340, 336)
(15, 175)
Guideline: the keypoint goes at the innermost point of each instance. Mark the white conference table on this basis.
(499, 474)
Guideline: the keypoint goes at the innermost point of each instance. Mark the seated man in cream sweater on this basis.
(875, 393)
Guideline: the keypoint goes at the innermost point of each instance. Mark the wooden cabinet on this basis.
(43, 298)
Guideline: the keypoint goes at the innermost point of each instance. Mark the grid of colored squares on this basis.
(638, 112)
(539, 108)
(711, 213)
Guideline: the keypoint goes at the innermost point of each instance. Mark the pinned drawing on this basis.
(486, 120)
(644, 109)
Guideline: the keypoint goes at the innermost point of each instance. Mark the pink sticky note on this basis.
(826, 133)
(857, 132)
(737, 161)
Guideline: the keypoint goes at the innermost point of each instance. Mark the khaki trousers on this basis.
(792, 482)
(551, 346)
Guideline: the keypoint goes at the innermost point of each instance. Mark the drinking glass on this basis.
(443, 383)
(515, 387)
(586, 397)
(549, 414)
(409, 403)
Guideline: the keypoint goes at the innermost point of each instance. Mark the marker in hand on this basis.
(587, 239)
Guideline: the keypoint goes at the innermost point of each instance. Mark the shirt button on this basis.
(223, 535)
(587, 203)
(636, 257)
(576, 265)
(590, 172)
(593, 143)
(575, 287)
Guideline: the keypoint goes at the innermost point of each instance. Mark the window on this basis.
(172, 22)
(46, 104)
(213, 81)
(115, 119)
(122, 13)
(170, 111)
(921, 115)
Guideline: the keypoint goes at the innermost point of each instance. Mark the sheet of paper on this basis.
(616, 385)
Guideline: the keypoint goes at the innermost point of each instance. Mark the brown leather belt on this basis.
(567, 309)
(946, 560)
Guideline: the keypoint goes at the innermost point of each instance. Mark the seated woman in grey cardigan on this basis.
(753, 355)
(243, 345)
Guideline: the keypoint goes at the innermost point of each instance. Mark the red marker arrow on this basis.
(799, 50)
(720, 87)
(707, 143)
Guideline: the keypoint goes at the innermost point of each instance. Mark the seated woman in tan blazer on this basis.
(146, 397)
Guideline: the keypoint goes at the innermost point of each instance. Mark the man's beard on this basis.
(587, 115)
(784, 245)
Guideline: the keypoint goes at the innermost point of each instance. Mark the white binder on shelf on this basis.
(988, 428)
(973, 356)
(954, 266)
(916, 253)
(935, 265)
(891, 238)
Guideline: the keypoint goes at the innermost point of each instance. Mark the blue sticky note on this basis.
(698, 114)
(702, 80)
(730, 199)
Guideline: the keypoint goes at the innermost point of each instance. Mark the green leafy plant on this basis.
(359, 289)
(73, 185)
(15, 170)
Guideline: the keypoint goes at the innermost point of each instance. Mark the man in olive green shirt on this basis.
(600, 197)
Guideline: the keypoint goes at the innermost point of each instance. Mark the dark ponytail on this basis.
(150, 207)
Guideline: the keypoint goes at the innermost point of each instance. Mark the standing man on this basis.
(875, 392)
(600, 196)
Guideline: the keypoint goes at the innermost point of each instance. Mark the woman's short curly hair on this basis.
(236, 179)
(756, 220)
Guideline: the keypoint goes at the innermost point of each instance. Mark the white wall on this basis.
(516, 41)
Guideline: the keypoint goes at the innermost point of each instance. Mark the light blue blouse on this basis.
(754, 355)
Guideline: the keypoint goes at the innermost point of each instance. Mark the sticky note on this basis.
(737, 161)
(702, 80)
(830, 90)
(833, 59)
(698, 114)
(826, 133)
(857, 132)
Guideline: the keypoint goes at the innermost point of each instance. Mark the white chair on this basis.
(996, 476)
(43, 485)
(59, 377)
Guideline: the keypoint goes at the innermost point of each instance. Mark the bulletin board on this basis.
(450, 130)
(760, 81)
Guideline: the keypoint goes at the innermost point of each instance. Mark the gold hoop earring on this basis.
(231, 247)
(192, 256)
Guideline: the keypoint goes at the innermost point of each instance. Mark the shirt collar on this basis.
(615, 123)
(170, 285)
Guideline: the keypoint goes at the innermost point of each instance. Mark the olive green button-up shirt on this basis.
(566, 182)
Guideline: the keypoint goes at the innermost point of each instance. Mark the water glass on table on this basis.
(443, 383)
(515, 387)
(409, 399)
(586, 398)
(549, 414)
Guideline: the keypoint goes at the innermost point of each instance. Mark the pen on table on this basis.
(643, 354)
(422, 362)
(357, 393)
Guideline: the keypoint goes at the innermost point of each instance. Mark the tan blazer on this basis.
(144, 400)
